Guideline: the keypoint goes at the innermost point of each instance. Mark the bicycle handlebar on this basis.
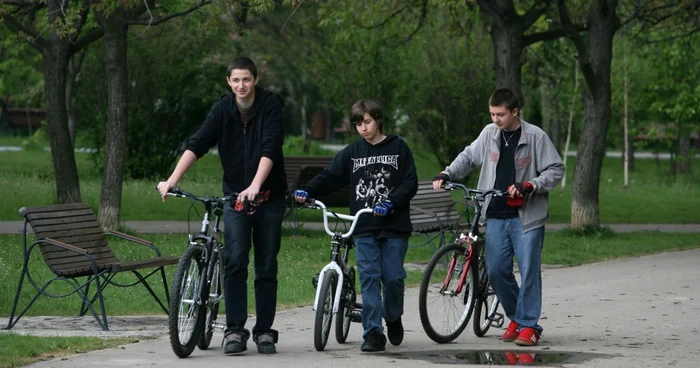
(316, 204)
(177, 192)
(474, 194)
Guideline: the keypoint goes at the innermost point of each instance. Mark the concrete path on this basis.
(181, 227)
(629, 313)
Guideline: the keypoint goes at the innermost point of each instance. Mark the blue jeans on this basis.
(504, 239)
(265, 229)
(380, 262)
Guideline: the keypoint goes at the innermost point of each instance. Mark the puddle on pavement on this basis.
(499, 357)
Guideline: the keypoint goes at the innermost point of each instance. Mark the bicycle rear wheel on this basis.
(185, 321)
(215, 295)
(324, 311)
(444, 308)
(486, 305)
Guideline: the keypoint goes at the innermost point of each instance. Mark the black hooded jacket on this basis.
(375, 173)
(240, 149)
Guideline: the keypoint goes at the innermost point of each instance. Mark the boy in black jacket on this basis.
(246, 126)
(382, 174)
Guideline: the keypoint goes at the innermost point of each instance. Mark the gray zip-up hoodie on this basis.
(536, 160)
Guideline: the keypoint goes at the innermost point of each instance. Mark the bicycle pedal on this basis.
(356, 315)
(497, 320)
(314, 281)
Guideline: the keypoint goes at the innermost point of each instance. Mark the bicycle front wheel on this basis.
(324, 311)
(445, 304)
(486, 305)
(185, 321)
(347, 303)
(215, 296)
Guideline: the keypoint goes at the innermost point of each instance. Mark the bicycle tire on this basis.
(324, 311)
(347, 303)
(486, 306)
(212, 307)
(441, 325)
(186, 287)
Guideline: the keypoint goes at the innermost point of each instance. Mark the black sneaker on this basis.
(266, 343)
(395, 332)
(374, 341)
(235, 343)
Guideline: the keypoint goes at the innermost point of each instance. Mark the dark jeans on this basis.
(264, 227)
(380, 262)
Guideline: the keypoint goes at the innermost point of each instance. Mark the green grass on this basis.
(653, 196)
(18, 350)
(300, 258)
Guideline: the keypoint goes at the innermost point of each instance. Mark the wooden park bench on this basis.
(435, 216)
(74, 247)
(300, 170)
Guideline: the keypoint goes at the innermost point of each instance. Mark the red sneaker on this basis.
(511, 332)
(527, 337)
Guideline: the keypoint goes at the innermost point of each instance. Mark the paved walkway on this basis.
(181, 227)
(627, 313)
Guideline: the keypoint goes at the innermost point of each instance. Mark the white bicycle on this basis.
(335, 284)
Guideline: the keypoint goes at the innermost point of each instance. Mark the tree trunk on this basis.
(74, 65)
(56, 58)
(574, 97)
(507, 39)
(681, 165)
(625, 121)
(115, 64)
(595, 56)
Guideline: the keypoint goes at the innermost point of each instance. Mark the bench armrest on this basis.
(133, 239)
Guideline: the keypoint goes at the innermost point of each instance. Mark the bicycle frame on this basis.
(208, 239)
(477, 198)
(337, 262)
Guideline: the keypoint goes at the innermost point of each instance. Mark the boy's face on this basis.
(368, 128)
(504, 118)
(242, 83)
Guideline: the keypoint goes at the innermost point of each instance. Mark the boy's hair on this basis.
(367, 106)
(244, 63)
(504, 97)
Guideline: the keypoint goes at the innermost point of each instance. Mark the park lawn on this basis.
(652, 197)
(18, 350)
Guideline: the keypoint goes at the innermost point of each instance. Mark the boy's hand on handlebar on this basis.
(519, 189)
(248, 194)
(301, 195)
(164, 187)
(440, 179)
(383, 208)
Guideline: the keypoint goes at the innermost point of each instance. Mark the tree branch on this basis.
(551, 34)
(81, 42)
(535, 12)
(151, 21)
(570, 29)
(15, 26)
(423, 15)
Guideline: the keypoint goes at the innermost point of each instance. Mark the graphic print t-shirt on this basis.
(376, 173)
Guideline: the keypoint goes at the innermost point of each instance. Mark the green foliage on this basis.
(38, 141)
(448, 79)
(293, 146)
(173, 83)
(20, 71)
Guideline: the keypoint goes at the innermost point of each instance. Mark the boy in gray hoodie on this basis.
(518, 157)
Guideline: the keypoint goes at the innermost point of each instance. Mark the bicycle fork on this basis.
(338, 288)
